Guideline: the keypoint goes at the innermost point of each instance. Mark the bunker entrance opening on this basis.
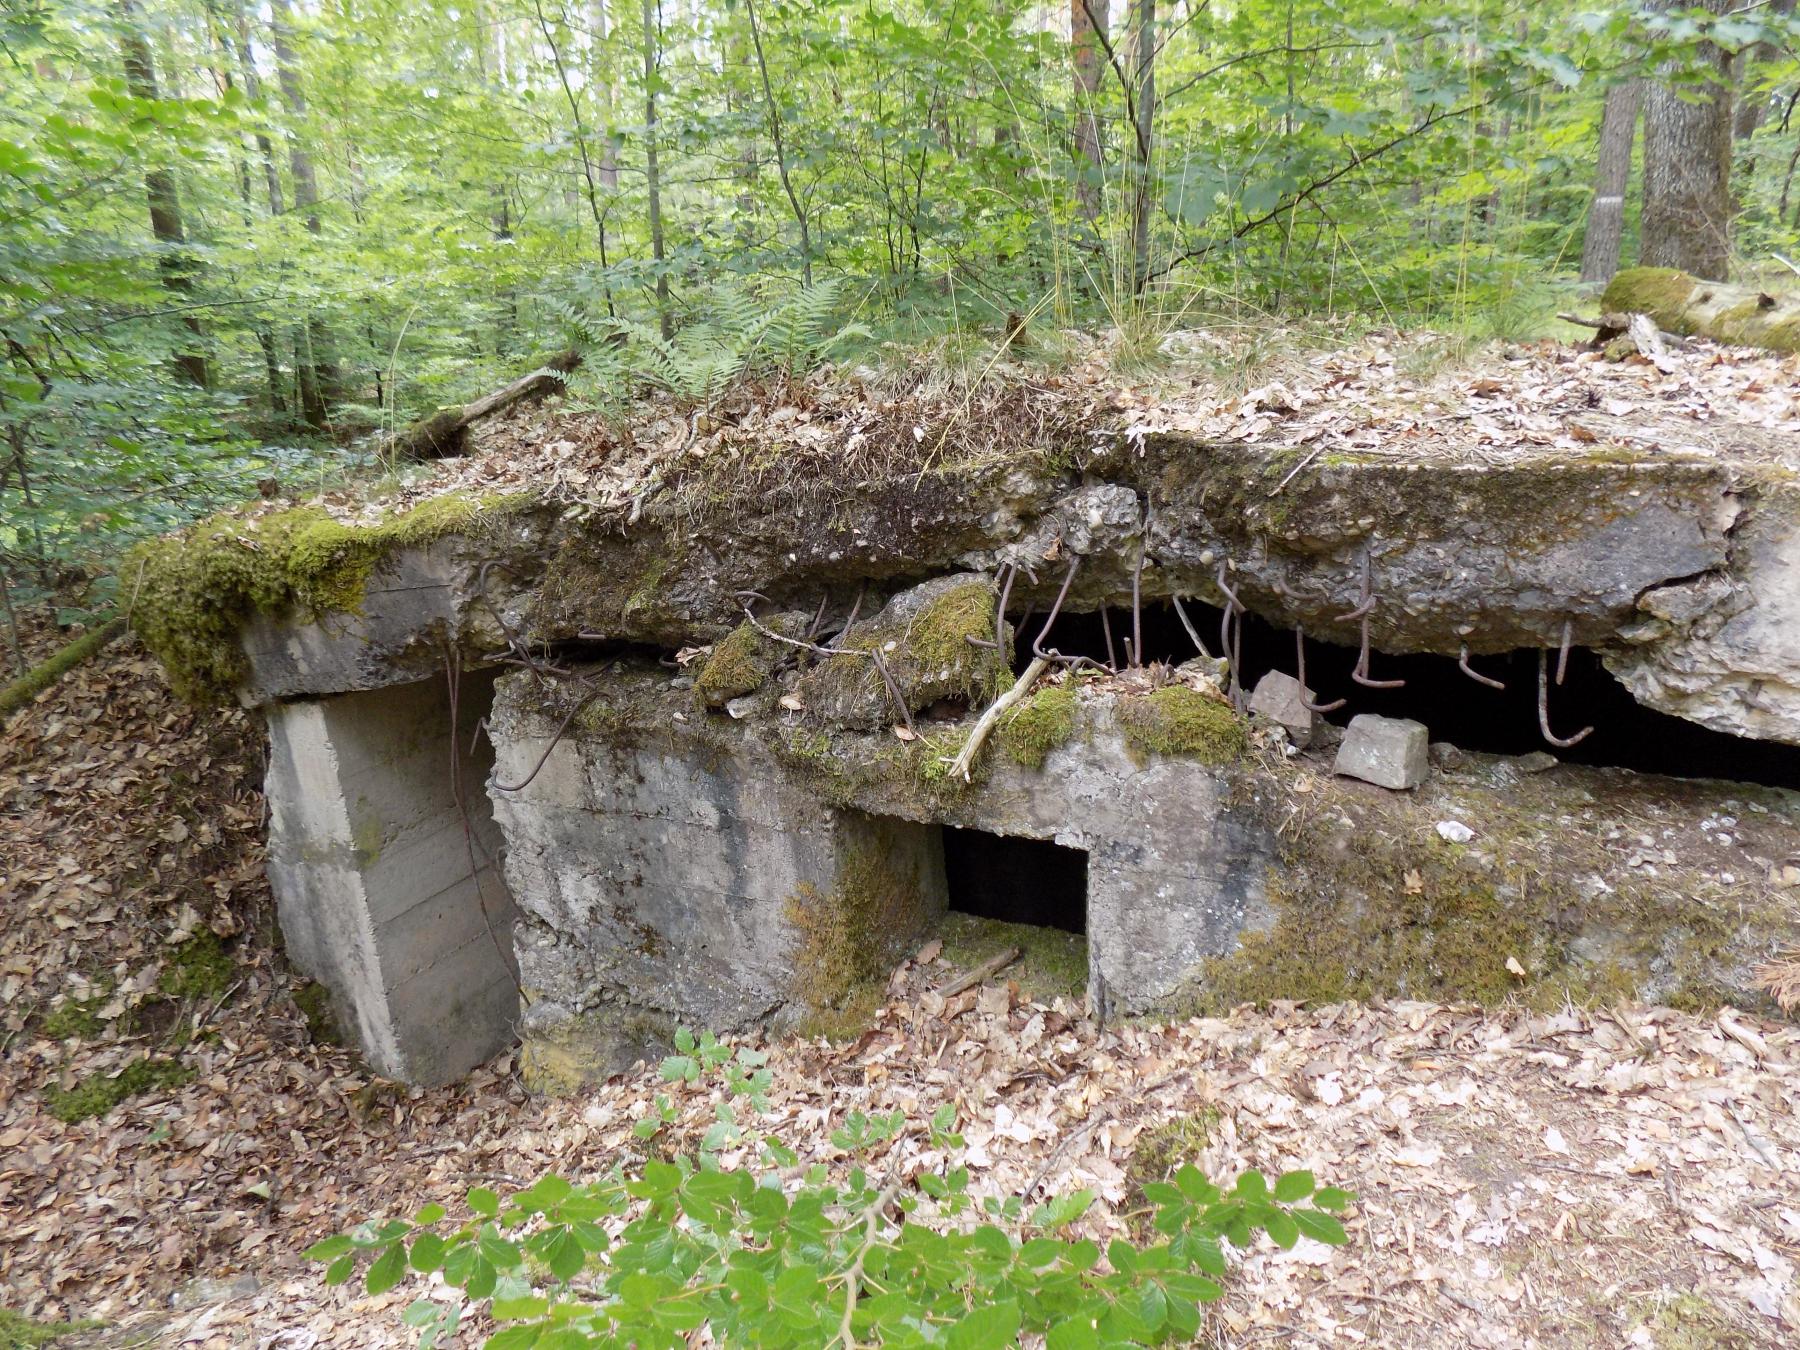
(1030, 881)
(1457, 709)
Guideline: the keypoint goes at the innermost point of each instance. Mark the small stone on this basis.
(1536, 762)
(1454, 831)
(1390, 752)
(742, 707)
(1280, 698)
(1447, 756)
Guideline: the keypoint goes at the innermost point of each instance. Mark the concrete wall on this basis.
(659, 885)
(371, 870)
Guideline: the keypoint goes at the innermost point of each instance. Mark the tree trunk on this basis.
(315, 371)
(1145, 128)
(652, 178)
(164, 200)
(609, 96)
(1687, 171)
(1087, 30)
(787, 184)
(1612, 174)
(1753, 107)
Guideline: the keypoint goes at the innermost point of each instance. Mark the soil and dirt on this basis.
(1553, 1178)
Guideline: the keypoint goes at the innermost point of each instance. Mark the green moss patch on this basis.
(199, 968)
(314, 1002)
(1660, 292)
(47, 672)
(98, 1093)
(191, 593)
(75, 1020)
(18, 1332)
(1039, 725)
(1052, 964)
(1367, 901)
(928, 655)
(742, 662)
(852, 935)
(1178, 720)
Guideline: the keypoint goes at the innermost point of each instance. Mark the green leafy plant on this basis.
(647, 1256)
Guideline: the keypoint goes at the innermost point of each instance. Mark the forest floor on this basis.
(1626, 1177)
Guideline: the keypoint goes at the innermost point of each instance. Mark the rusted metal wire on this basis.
(873, 654)
(1232, 645)
(1300, 664)
(1462, 664)
(1037, 645)
(1112, 657)
(1137, 593)
(1562, 657)
(1544, 707)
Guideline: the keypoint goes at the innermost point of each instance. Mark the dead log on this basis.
(442, 434)
(1690, 307)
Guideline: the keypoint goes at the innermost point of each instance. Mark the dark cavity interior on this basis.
(1458, 710)
(1016, 880)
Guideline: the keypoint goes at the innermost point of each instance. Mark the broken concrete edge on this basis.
(195, 596)
(1492, 558)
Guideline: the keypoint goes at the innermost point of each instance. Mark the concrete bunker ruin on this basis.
(580, 776)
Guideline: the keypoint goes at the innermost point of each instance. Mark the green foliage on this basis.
(651, 1255)
(740, 332)
(199, 968)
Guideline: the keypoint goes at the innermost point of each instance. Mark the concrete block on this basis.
(1280, 698)
(1391, 752)
(370, 869)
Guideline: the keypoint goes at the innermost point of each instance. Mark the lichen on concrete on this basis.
(1178, 720)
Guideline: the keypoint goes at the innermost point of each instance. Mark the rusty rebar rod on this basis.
(1137, 585)
(1037, 646)
(1562, 657)
(1112, 657)
(1300, 663)
(1361, 673)
(1544, 707)
(1462, 664)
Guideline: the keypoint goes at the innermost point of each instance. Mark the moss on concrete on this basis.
(199, 968)
(560, 1060)
(929, 657)
(98, 1093)
(1177, 720)
(190, 594)
(1039, 725)
(851, 935)
(1367, 901)
(742, 661)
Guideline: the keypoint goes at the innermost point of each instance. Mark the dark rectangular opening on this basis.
(1016, 880)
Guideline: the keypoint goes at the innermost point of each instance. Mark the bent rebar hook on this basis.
(1300, 662)
(1544, 707)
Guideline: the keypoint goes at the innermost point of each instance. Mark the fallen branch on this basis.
(988, 968)
(1694, 307)
(48, 671)
(984, 726)
(441, 435)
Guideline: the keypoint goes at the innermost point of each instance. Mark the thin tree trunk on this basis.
(1612, 175)
(1087, 31)
(652, 177)
(315, 371)
(787, 183)
(1145, 78)
(163, 198)
(605, 79)
(581, 142)
(1687, 172)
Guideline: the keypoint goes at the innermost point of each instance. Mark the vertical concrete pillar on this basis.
(370, 863)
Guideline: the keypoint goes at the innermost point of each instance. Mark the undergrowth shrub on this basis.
(649, 1255)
